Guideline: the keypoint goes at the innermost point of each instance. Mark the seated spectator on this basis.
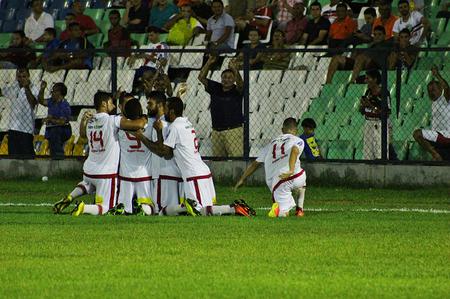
(275, 60)
(311, 150)
(136, 16)
(254, 38)
(52, 44)
(87, 25)
(316, 31)
(69, 19)
(161, 12)
(118, 36)
(411, 19)
(220, 28)
(285, 10)
(296, 26)
(20, 56)
(71, 55)
(404, 53)
(182, 27)
(37, 22)
(153, 60)
(386, 18)
(444, 13)
(364, 35)
(366, 60)
(329, 11)
(436, 141)
(201, 11)
(342, 29)
(58, 129)
(260, 17)
(157, 81)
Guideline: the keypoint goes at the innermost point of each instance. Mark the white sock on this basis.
(77, 192)
(301, 197)
(148, 210)
(172, 210)
(219, 210)
(93, 210)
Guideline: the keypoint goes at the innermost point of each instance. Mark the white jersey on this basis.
(440, 111)
(414, 24)
(159, 55)
(275, 156)
(135, 157)
(104, 151)
(182, 139)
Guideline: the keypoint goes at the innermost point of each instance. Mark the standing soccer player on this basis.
(100, 168)
(283, 171)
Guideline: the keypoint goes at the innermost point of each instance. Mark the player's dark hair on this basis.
(371, 11)
(315, 3)
(123, 96)
(101, 97)
(23, 70)
(114, 12)
(158, 96)
(380, 29)
(343, 5)
(176, 104)
(308, 123)
(405, 30)
(153, 29)
(403, 2)
(133, 109)
(73, 25)
(375, 74)
(290, 123)
(62, 88)
(50, 31)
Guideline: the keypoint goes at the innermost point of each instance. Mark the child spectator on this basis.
(254, 38)
(364, 35)
(311, 150)
(404, 53)
(118, 36)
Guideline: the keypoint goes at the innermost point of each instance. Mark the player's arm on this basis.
(442, 83)
(132, 125)
(157, 147)
(293, 157)
(248, 172)
(84, 120)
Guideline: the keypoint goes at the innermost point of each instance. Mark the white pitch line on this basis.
(403, 210)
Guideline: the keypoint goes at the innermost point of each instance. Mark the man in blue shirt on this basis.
(311, 150)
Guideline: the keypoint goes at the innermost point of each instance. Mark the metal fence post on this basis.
(246, 68)
(384, 111)
(114, 75)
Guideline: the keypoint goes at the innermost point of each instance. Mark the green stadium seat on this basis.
(104, 26)
(95, 13)
(318, 117)
(357, 120)
(332, 90)
(4, 39)
(417, 153)
(401, 149)
(321, 104)
(60, 25)
(425, 63)
(323, 145)
(351, 133)
(96, 40)
(406, 105)
(356, 90)
(139, 38)
(422, 106)
(340, 149)
(342, 77)
(163, 37)
(359, 154)
(413, 91)
(325, 132)
(337, 119)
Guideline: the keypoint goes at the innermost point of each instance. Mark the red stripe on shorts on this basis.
(144, 179)
(285, 180)
(170, 178)
(200, 177)
(100, 176)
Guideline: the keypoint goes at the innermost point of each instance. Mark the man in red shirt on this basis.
(87, 25)
(70, 18)
(296, 26)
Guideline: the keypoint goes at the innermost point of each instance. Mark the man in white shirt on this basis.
(37, 22)
(220, 28)
(283, 171)
(439, 135)
(100, 169)
(417, 24)
(23, 96)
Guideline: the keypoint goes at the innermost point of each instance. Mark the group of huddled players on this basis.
(151, 165)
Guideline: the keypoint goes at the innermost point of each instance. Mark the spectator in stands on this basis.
(118, 36)
(285, 10)
(275, 60)
(20, 55)
(57, 130)
(87, 25)
(362, 60)
(342, 29)
(135, 17)
(364, 35)
(226, 110)
(437, 140)
(254, 38)
(312, 150)
(297, 25)
(413, 20)
(52, 44)
(152, 60)
(69, 19)
(386, 18)
(404, 53)
(37, 22)
(23, 97)
(329, 11)
(259, 18)
(161, 12)
(158, 81)
(316, 31)
(220, 28)
(201, 11)
(183, 27)
(371, 106)
(72, 54)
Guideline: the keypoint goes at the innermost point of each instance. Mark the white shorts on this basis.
(282, 191)
(167, 191)
(201, 189)
(104, 187)
(433, 136)
(130, 187)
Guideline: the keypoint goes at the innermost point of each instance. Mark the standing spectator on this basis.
(69, 19)
(404, 53)
(275, 60)
(118, 36)
(342, 29)
(254, 37)
(52, 44)
(37, 22)
(135, 16)
(285, 10)
(201, 11)
(183, 27)
(260, 17)
(157, 82)
(58, 129)
(220, 28)
(311, 150)
(226, 110)
(372, 109)
(20, 56)
(386, 18)
(23, 96)
(87, 25)
(438, 138)
(296, 26)
(316, 31)
(414, 21)
(161, 13)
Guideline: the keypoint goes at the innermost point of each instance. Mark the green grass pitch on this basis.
(340, 249)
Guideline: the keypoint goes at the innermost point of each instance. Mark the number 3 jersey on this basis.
(275, 156)
(104, 151)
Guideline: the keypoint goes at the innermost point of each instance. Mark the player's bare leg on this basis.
(301, 199)
(67, 200)
(82, 208)
(173, 210)
(238, 207)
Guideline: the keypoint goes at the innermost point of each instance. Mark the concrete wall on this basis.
(360, 174)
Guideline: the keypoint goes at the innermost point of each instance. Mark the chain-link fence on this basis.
(347, 107)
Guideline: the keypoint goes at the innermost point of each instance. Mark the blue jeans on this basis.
(57, 136)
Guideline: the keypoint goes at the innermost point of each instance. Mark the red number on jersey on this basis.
(274, 151)
(196, 145)
(96, 136)
(133, 138)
